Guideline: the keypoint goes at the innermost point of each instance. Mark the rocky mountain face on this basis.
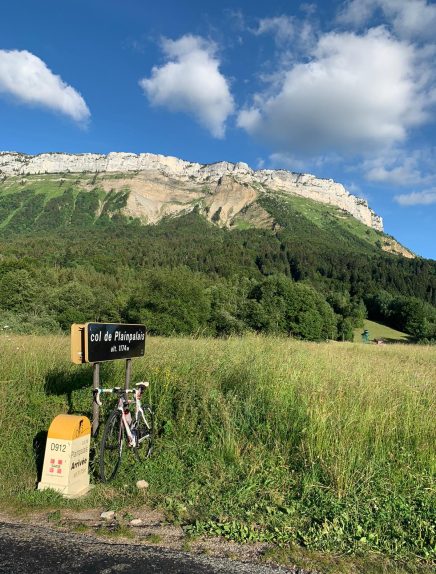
(161, 185)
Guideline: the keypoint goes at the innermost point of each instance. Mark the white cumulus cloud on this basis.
(304, 165)
(356, 94)
(191, 82)
(402, 167)
(425, 197)
(292, 37)
(27, 78)
(409, 18)
(282, 27)
(405, 174)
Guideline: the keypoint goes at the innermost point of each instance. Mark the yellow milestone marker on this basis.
(66, 457)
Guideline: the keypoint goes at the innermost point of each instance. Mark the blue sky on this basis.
(341, 89)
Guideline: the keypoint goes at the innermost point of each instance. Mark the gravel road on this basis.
(27, 549)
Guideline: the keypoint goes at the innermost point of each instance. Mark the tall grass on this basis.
(331, 446)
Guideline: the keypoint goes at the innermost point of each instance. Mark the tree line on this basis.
(186, 275)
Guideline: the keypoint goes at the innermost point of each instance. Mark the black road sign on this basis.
(109, 341)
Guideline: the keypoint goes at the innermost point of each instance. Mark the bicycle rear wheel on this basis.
(144, 428)
(111, 447)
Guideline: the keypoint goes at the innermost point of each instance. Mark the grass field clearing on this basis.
(327, 447)
(379, 331)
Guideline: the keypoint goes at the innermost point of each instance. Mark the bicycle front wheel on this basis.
(144, 433)
(111, 447)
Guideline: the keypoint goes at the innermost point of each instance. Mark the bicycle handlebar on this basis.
(139, 387)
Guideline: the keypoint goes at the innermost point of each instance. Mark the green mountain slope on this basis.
(73, 249)
(58, 201)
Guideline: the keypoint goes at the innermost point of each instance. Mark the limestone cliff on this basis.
(163, 185)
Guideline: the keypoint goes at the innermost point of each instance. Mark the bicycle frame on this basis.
(127, 417)
(124, 401)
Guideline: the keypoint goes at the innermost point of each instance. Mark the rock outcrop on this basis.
(234, 175)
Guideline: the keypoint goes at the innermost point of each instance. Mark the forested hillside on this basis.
(70, 255)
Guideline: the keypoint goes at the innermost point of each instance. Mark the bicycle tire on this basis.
(144, 434)
(111, 447)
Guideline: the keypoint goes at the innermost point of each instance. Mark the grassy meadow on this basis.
(379, 331)
(329, 447)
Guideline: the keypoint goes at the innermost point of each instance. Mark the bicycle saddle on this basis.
(142, 384)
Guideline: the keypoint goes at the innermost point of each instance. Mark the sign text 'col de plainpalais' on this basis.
(97, 342)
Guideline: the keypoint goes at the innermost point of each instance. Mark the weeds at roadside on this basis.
(115, 530)
(331, 563)
(153, 538)
(54, 517)
(80, 528)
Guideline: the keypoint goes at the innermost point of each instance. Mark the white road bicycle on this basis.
(124, 430)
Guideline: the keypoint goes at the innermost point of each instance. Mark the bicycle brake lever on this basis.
(96, 393)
